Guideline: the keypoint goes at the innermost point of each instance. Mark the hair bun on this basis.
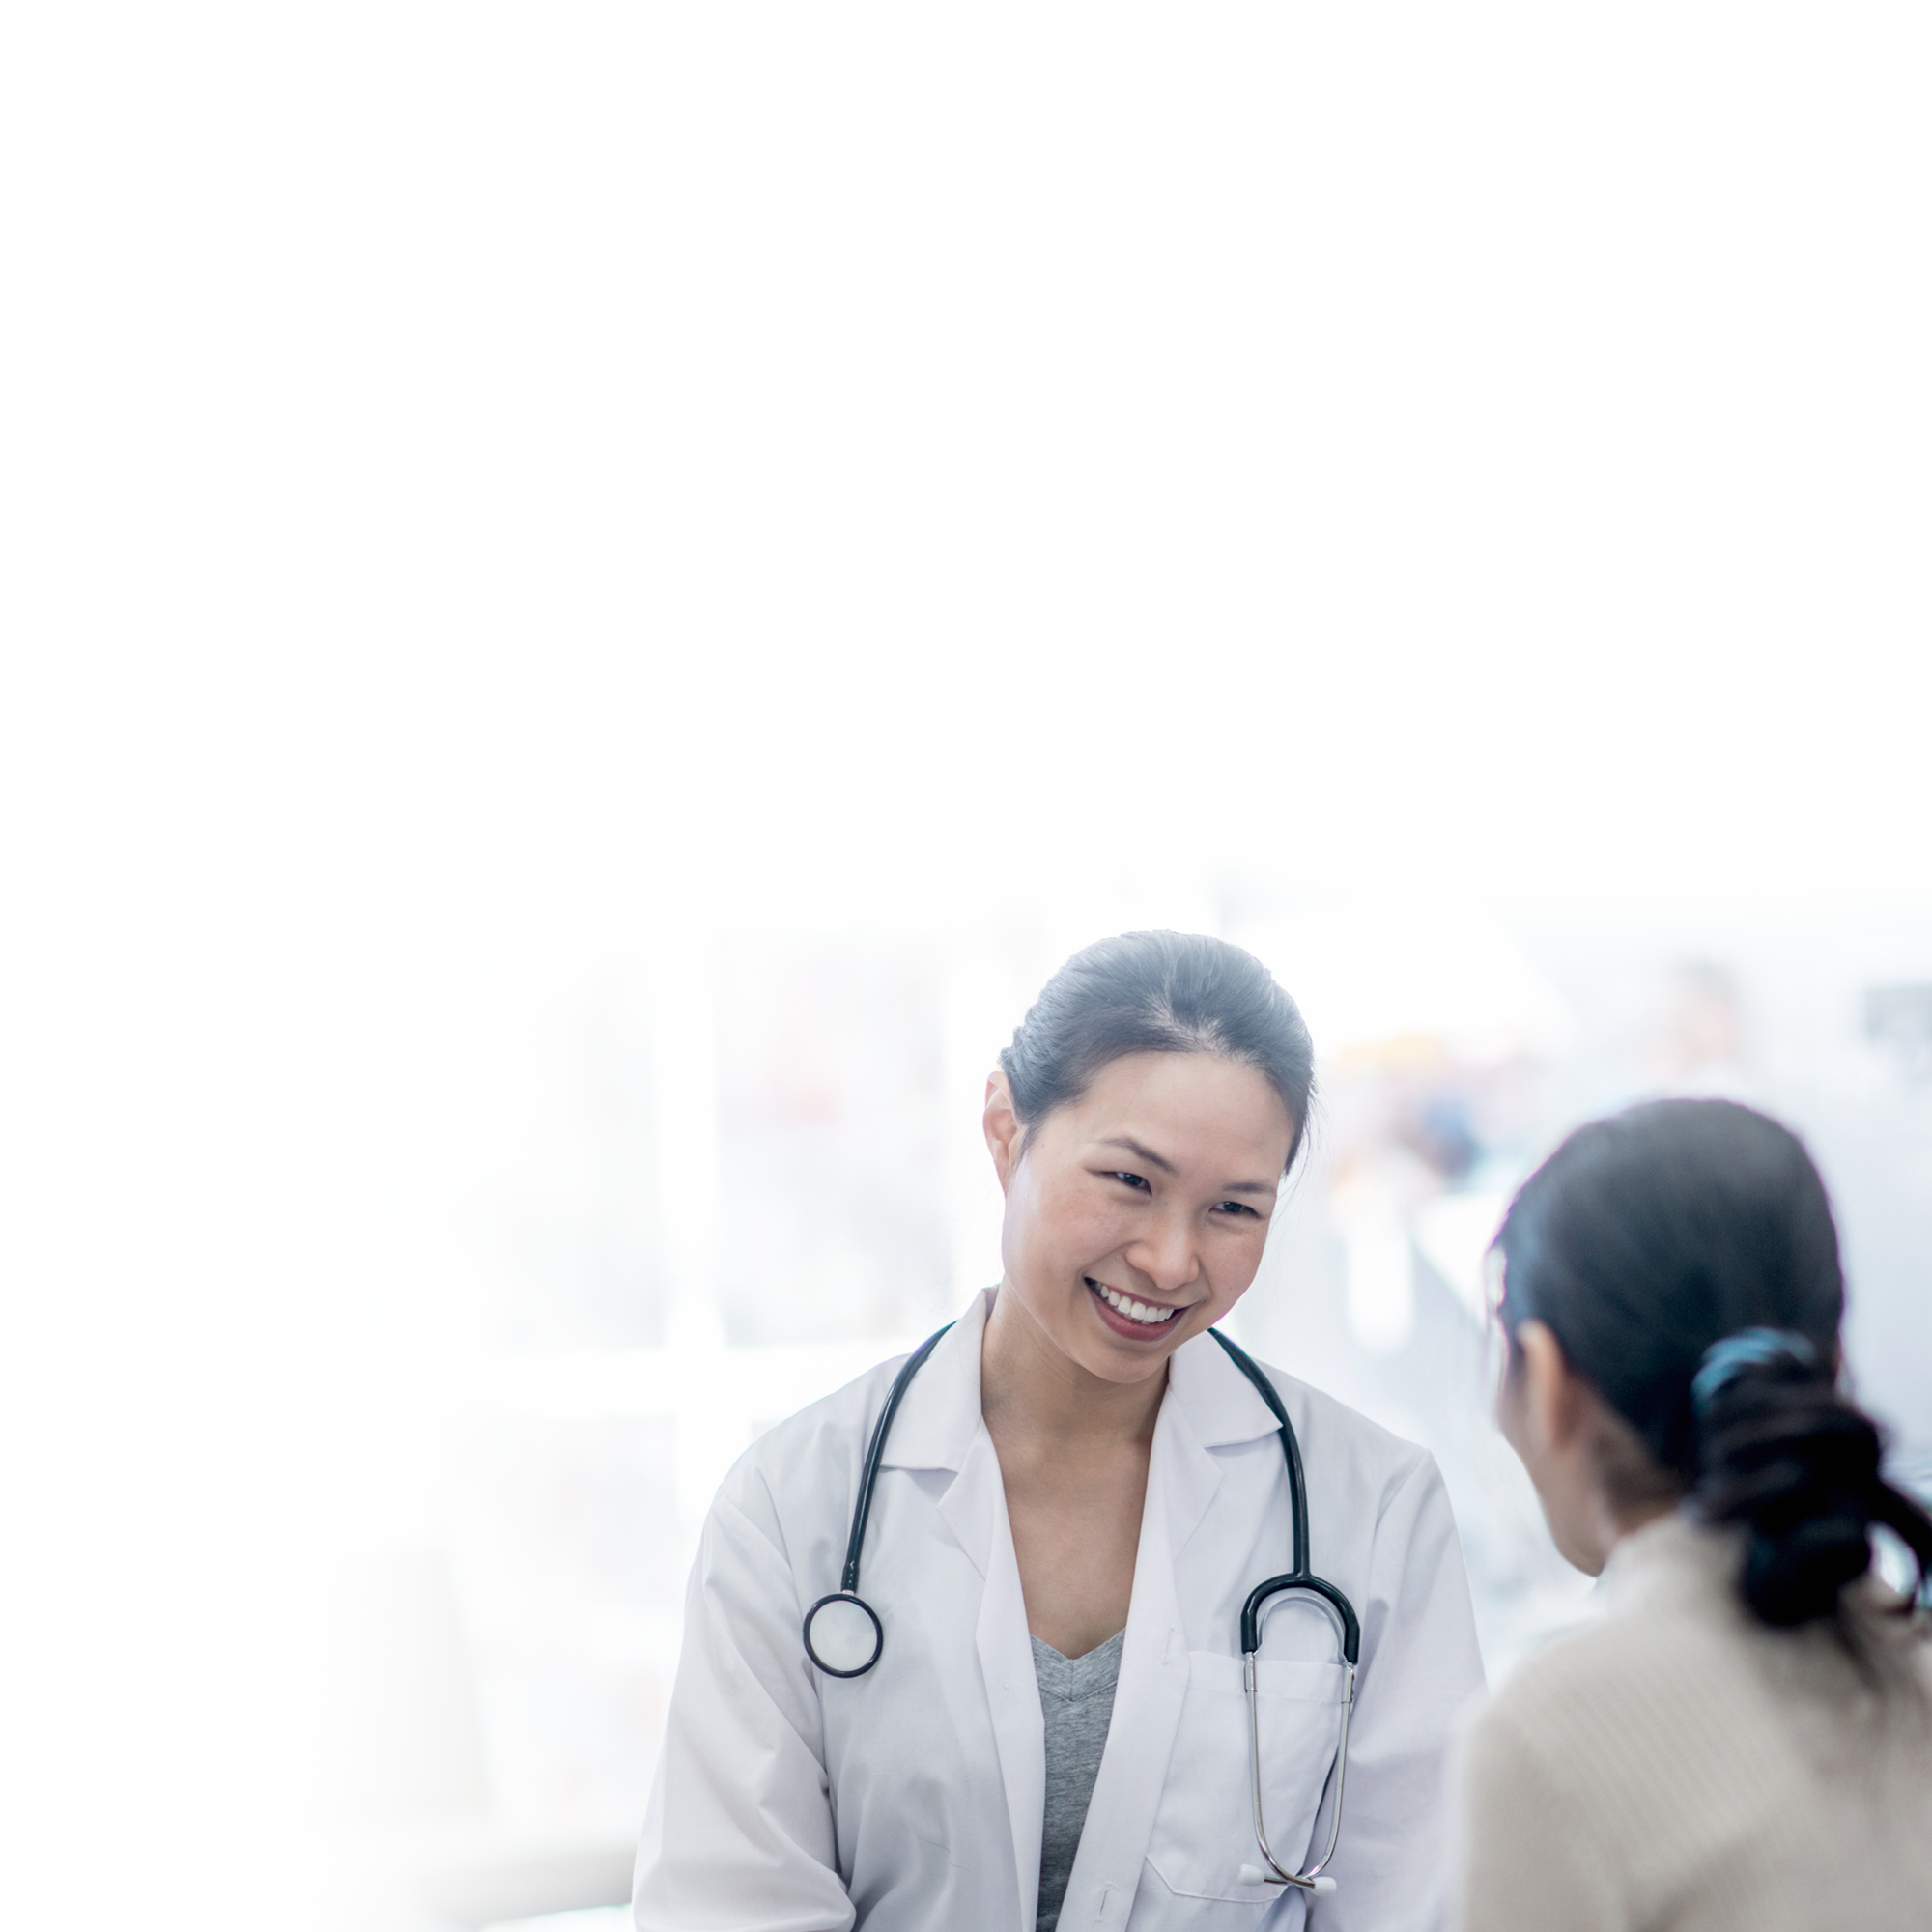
(1786, 1456)
(1157, 992)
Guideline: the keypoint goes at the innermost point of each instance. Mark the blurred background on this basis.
(594, 596)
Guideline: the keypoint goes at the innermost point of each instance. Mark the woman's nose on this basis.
(1165, 1254)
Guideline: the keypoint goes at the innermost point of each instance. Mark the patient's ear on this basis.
(1555, 1399)
(1555, 1421)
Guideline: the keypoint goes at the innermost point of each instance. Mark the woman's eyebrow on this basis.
(1140, 1153)
(1152, 1160)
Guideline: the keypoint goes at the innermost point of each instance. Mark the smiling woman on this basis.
(1140, 1124)
(1068, 1701)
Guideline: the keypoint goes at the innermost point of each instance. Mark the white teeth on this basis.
(1134, 1311)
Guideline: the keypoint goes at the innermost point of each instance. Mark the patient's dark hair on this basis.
(1646, 1238)
(1157, 992)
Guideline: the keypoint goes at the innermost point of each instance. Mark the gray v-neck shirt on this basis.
(1076, 1698)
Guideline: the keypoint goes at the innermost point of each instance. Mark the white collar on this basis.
(940, 1414)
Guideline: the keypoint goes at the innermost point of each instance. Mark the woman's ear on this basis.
(1565, 1430)
(1552, 1395)
(1003, 1131)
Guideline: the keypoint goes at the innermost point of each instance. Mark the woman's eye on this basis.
(1134, 1181)
(1237, 1207)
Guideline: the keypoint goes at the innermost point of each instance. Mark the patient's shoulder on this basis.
(1664, 1637)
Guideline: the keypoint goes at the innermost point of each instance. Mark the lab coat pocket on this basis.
(1203, 1830)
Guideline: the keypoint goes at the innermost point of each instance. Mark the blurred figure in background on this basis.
(1745, 1739)
(1695, 1048)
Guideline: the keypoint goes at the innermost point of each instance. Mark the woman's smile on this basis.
(1128, 1315)
(1137, 1211)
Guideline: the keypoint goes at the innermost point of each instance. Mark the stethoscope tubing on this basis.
(1298, 1578)
(846, 1598)
(875, 1449)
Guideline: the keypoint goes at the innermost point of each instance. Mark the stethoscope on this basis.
(843, 1635)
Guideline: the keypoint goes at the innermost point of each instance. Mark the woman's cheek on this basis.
(1077, 1228)
(1096, 1236)
(1241, 1261)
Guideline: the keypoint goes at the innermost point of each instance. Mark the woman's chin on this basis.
(1098, 1344)
(1080, 1329)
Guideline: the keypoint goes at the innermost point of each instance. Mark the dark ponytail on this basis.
(1685, 1258)
(1157, 992)
(1783, 1453)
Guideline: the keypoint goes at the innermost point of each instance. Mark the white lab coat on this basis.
(910, 1800)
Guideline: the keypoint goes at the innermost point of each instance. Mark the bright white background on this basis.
(497, 504)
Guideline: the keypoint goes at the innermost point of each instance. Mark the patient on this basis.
(1744, 1739)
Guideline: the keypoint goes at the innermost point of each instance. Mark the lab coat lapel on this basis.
(949, 1433)
(1183, 1478)
(940, 1417)
(975, 1510)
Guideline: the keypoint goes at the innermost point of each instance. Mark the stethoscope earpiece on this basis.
(843, 1635)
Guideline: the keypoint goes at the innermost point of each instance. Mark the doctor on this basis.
(1076, 1497)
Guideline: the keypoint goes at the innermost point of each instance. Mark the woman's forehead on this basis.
(1184, 1105)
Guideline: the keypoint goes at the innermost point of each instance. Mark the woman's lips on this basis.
(1122, 1324)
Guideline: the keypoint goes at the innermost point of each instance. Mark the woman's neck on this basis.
(1031, 1388)
(1621, 1524)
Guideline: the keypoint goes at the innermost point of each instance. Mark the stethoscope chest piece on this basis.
(842, 1632)
(842, 1635)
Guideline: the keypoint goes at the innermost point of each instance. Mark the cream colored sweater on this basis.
(1678, 1765)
